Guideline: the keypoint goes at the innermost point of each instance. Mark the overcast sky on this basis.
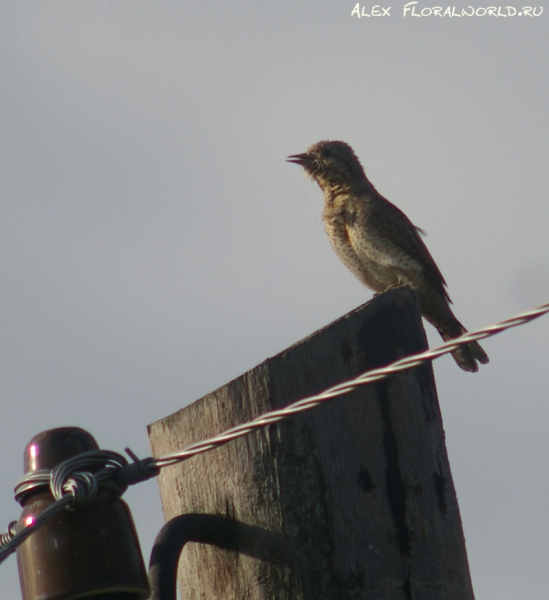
(154, 243)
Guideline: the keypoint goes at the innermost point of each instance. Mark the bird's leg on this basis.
(394, 286)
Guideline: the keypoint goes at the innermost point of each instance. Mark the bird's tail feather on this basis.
(437, 311)
(467, 356)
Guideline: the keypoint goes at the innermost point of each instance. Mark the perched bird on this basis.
(377, 241)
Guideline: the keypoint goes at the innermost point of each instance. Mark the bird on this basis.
(378, 243)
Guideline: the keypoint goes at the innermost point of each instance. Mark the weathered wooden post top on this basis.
(351, 500)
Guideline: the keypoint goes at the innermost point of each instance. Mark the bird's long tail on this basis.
(467, 356)
(438, 312)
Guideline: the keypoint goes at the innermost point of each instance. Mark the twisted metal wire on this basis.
(73, 483)
(80, 488)
(340, 389)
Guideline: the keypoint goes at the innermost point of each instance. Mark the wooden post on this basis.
(351, 500)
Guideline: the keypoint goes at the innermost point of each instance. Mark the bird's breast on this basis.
(366, 251)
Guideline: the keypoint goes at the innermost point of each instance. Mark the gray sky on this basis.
(154, 243)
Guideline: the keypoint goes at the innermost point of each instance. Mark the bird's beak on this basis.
(300, 159)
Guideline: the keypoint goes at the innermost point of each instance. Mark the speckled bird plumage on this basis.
(377, 241)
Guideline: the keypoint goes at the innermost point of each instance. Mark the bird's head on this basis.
(331, 164)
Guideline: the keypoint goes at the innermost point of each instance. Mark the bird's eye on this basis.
(327, 153)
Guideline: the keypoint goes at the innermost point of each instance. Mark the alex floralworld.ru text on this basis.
(411, 9)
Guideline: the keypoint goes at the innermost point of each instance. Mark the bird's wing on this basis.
(395, 225)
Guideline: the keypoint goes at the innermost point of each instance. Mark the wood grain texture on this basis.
(352, 500)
